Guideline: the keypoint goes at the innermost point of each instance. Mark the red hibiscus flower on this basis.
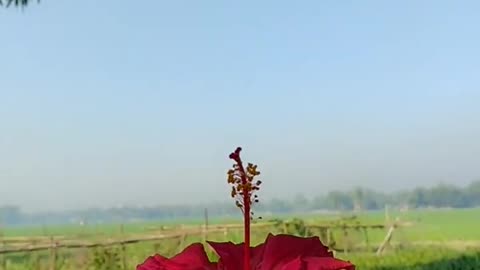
(192, 257)
(279, 252)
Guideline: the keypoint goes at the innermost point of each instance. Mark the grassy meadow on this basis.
(455, 233)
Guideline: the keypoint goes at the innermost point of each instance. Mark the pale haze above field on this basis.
(106, 103)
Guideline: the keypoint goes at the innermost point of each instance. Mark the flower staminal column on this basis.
(243, 188)
(277, 252)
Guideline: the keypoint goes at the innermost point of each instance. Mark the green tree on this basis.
(339, 200)
(418, 198)
(17, 3)
(358, 199)
(11, 215)
(473, 193)
(300, 202)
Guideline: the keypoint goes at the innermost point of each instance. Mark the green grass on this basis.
(104, 229)
(418, 259)
(438, 225)
(429, 225)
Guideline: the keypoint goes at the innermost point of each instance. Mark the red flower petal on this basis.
(315, 263)
(326, 263)
(280, 249)
(295, 264)
(192, 257)
(231, 255)
(279, 252)
(152, 263)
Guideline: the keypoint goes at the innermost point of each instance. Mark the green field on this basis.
(449, 230)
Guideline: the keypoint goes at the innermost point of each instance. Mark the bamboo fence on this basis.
(30, 244)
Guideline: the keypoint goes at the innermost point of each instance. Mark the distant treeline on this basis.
(440, 196)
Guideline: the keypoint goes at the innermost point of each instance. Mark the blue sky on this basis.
(113, 102)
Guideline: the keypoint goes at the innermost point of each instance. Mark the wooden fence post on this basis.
(3, 259)
(205, 226)
(156, 247)
(329, 239)
(225, 233)
(367, 241)
(381, 248)
(36, 257)
(124, 248)
(53, 254)
(285, 227)
(387, 214)
(345, 240)
(183, 238)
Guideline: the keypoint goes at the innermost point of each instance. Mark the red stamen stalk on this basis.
(246, 258)
(246, 220)
(246, 208)
(246, 217)
(247, 189)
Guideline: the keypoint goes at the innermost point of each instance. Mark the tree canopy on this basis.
(17, 3)
(356, 199)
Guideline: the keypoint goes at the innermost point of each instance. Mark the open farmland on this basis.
(430, 239)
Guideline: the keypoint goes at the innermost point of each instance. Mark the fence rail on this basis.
(24, 244)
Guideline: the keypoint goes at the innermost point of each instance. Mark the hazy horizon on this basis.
(106, 104)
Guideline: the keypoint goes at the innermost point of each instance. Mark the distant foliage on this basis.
(358, 199)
